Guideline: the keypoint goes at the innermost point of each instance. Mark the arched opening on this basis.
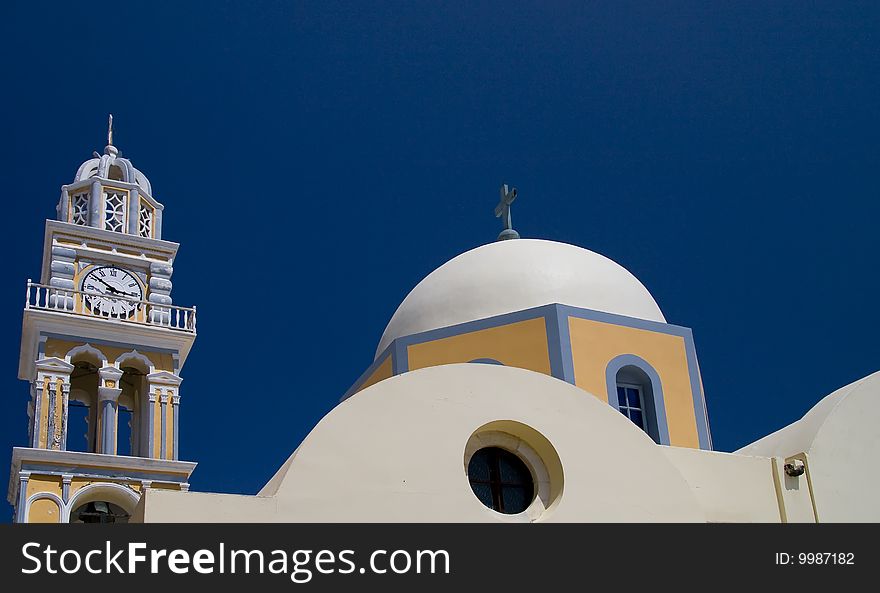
(131, 434)
(102, 503)
(99, 511)
(82, 409)
(636, 399)
(116, 173)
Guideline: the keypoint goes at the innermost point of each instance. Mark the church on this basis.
(522, 381)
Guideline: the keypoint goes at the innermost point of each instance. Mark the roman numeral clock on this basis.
(102, 348)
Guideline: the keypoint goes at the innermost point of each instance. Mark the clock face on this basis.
(111, 291)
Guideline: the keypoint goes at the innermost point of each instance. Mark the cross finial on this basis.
(502, 211)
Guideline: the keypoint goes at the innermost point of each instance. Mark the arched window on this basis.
(501, 480)
(634, 388)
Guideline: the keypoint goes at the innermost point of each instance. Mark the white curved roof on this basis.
(515, 275)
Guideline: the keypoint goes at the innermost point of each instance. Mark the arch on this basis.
(105, 491)
(487, 361)
(641, 372)
(100, 359)
(142, 181)
(45, 496)
(87, 169)
(145, 364)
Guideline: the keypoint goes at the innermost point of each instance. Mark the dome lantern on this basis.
(109, 193)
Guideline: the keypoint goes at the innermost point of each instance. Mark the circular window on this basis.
(501, 480)
(99, 511)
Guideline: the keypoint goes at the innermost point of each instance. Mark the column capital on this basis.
(109, 373)
(175, 399)
(109, 393)
(164, 378)
(53, 366)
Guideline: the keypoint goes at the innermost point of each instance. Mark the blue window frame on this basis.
(631, 403)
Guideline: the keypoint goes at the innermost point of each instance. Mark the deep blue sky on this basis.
(317, 160)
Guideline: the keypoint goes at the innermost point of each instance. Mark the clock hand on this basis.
(116, 290)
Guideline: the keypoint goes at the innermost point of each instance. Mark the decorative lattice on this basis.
(80, 204)
(145, 220)
(114, 211)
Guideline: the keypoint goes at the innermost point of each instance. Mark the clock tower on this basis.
(102, 348)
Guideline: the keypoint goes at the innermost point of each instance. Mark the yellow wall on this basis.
(522, 344)
(382, 372)
(59, 349)
(44, 484)
(594, 344)
(44, 510)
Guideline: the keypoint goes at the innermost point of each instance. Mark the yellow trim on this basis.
(169, 428)
(157, 425)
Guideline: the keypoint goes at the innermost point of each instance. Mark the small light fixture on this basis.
(794, 468)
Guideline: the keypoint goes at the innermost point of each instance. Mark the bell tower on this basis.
(102, 347)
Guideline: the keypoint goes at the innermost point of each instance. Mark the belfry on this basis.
(102, 347)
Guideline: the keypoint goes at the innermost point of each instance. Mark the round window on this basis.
(501, 480)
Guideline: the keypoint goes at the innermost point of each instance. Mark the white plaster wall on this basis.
(507, 276)
(841, 440)
(730, 488)
(395, 453)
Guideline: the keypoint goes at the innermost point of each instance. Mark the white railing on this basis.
(121, 308)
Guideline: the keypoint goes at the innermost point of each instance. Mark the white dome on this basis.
(508, 276)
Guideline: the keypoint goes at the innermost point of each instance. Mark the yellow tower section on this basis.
(646, 369)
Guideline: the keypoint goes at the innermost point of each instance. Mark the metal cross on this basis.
(502, 211)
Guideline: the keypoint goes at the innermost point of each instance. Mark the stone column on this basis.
(175, 403)
(163, 434)
(96, 203)
(50, 373)
(63, 208)
(65, 402)
(151, 424)
(165, 386)
(37, 394)
(108, 403)
(134, 211)
(23, 477)
(65, 487)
